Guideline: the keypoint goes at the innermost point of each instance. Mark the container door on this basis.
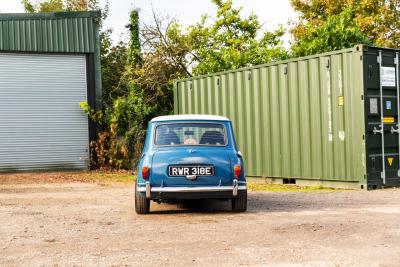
(382, 108)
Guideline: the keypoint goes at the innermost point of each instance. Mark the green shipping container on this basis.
(311, 120)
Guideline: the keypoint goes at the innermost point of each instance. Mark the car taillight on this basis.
(237, 171)
(145, 172)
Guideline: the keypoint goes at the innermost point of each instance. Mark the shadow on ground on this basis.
(261, 202)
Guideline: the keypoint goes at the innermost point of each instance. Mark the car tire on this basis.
(142, 204)
(239, 203)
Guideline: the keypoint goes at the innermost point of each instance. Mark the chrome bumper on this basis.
(234, 188)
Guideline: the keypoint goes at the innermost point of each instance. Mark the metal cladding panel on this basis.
(41, 123)
(301, 118)
(74, 32)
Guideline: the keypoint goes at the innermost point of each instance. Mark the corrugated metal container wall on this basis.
(301, 118)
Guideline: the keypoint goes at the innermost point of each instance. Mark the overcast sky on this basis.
(271, 12)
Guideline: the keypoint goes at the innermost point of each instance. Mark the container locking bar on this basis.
(381, 130)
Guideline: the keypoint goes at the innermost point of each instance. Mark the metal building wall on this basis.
(300, 118)
(52, 32)
(41, 123)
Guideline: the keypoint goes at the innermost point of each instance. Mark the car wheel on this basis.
(239, 203)
(142, 204)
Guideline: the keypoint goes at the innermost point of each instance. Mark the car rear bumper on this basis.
(195, 192)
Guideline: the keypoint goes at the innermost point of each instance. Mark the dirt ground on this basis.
(92, 224)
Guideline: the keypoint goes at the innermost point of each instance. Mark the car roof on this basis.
(190, 117)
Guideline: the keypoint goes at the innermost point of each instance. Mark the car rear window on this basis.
(191, 134)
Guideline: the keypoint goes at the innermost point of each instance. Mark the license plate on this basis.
(191, 170)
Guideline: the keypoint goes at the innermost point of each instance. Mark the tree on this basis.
(134, 55)
(60, 5)
(113, 62)
(46, 6)
(376, 20)
(230, 42)
(337, 32)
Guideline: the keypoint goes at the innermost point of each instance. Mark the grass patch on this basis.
(99, 176)
(289, 188)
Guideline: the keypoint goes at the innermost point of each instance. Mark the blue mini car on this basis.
(190, 157)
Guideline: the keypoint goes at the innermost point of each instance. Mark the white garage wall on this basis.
(41, 123)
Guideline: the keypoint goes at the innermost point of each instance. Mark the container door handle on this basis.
(393, 130)
(376, 131)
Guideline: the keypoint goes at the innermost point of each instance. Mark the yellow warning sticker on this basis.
(390, 161)
(341, 100)
(388, 119)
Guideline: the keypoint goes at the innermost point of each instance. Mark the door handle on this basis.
(376, 131)
(393, 130)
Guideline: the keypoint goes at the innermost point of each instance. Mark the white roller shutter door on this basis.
(42, 126)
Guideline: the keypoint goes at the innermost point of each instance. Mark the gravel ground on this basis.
(87, 224)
